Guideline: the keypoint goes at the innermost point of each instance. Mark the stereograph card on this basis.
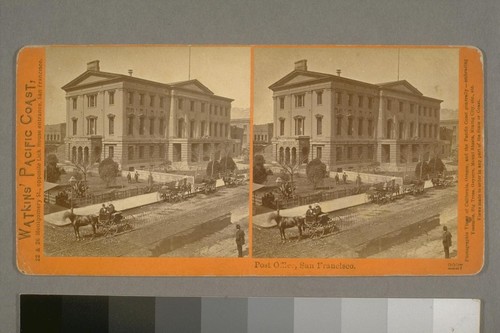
(249, 160)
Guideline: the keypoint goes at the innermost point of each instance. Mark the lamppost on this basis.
(72, 182)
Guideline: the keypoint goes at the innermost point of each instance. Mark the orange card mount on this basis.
(249, 160)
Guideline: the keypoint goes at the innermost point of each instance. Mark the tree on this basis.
(436, 166)
(108, 170)
(259, 171)
(53, 172)
(421, 170)
(291, 168)
(227, 164)
(213, 169)
(316, 172)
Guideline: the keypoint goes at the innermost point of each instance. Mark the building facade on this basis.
(141, 123)
(55, 134)
(244, 124)
(449, 136)
(262, 134)
(351, 124)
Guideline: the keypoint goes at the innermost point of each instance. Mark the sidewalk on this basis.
(121, 204)
(326, 206)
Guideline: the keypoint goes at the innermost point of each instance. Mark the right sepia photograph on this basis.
(355, 152)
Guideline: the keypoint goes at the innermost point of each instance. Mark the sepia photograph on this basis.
(355, 152)
(146, 151)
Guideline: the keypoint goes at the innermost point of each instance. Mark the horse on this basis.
(285, 222)
(78, 221)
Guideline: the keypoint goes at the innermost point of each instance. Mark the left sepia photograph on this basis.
(146, 151)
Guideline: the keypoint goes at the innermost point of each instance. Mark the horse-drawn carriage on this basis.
(383, 193)
(174, 191)
(442, 181)
(207, 186)
(111, 223)
(321, 225)
(234, 180)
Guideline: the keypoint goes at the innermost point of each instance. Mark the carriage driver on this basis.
(103, 212)
(309, 214)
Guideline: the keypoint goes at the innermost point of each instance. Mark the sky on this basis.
(224, 70)
(433, 71)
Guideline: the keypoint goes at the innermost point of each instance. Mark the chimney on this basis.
(338, 72)
(93, 66)
(130, 72)
(301, 65)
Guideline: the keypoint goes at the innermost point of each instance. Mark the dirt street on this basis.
(152, 224)
(363, 224)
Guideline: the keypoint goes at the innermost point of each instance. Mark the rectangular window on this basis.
(360, 152)
(130, 98)
(92, 101)
(282, 103)
(360, 127)
(74, 102)
(111, 97)
(141, 125)
(412, 130)
(349, 153)
(349, 126)
(75, 124)
(319, 125)
(360, 101)
(130, 126)
(162, 151)
(91, 126)
(111, 125)
(349, 99)
(319, 97)
(389, 104)
(162, 127)
(191, 106)
(300, 100)
(299, 126)
(179, 103)
(141, 99)
(339, 126)
(370, 127)
(400, 106)
(162, 101)
(319, 152)
(401, 129)
(151, 151)
(412, 108)
(152, 100)
(202, 129)
(141, 151)
(282, 127)
(191, 128)
(338, 97)
(151, 126)
(370, 102)
(338, 153)
(111, 151)
(202, 107)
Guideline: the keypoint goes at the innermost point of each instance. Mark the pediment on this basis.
(192, 85)
(403, 86)
(297, 77)
(89, 77)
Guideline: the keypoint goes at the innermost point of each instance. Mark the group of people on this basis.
(344, 178)
(136, 177)
(106, 211)
(313, 213)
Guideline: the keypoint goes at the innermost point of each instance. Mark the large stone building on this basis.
(142, 123)
(244, 124)
(352, 124)
(262, 134)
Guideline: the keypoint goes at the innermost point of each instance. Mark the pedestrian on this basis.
(103, 212)
(446, 242)
(344, 177)
(358, 180)
(136, 176)
(240, 240)
(129, 177)
(337, 178)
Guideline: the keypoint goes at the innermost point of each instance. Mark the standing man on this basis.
(136, 176)
(240, 240)
(337, 178)
(344, 177)
(446, 242)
